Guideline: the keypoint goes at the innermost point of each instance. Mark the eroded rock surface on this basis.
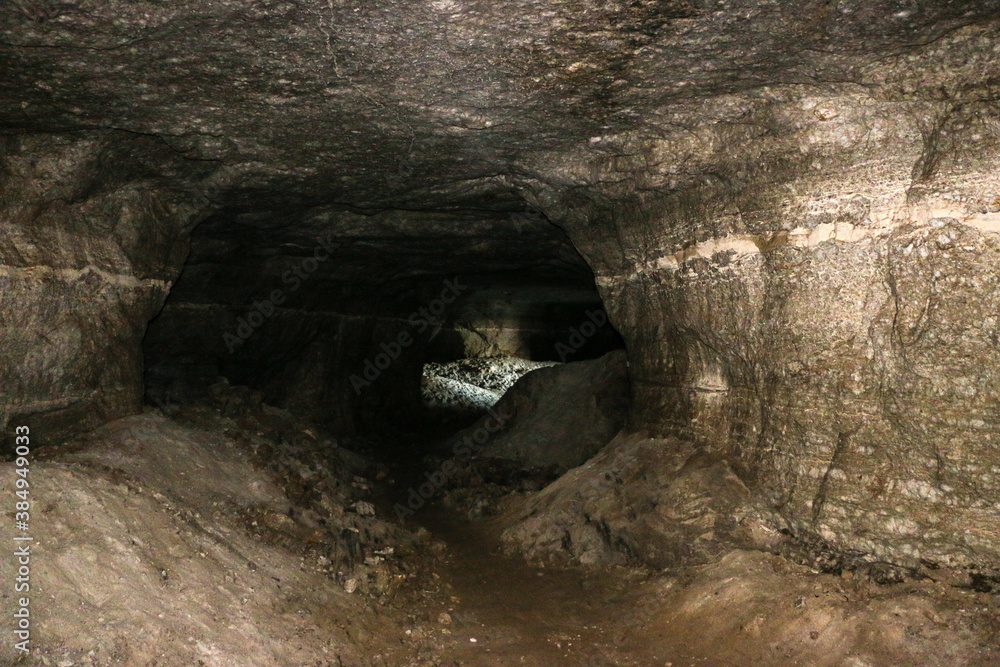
(472, 386)
(556, 418)
(446, 395)
(226, 540)
(641, 500)
(831, 330)
(792, 210)
(94, 231)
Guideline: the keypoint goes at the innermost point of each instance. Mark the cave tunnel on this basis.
(333, 313)
(527, 333)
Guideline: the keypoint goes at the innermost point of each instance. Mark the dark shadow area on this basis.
(332, 313)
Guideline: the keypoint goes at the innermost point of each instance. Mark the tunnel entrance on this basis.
(336, 313)
(400, 334)
(417, 378)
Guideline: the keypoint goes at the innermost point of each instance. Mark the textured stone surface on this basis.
(791, 208)
(556, 418)
(641, 500)
(454, 396)
(186, 567)
(494, 373)
(472, 386)
(93, 234)
(828, 326)
(331, 100)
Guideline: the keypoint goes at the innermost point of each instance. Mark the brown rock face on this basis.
(641, 500)
(792, 211)
(556, 418)
(93, 236)
(830, 327)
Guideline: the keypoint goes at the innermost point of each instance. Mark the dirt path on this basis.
(518, 614)
(500, 610)
(164, 544)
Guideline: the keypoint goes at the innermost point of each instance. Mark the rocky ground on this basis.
(494, 373)
(237, 534)
(208, 539)
(472, 386)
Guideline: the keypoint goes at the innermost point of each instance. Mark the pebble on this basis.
(364, 508)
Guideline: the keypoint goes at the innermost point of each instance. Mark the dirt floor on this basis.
(239, 535)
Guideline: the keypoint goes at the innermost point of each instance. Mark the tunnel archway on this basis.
(333, 313)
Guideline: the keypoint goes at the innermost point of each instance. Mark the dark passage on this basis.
(621, 333)
(333, 313)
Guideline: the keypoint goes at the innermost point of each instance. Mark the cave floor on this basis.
(212, 539)
(498, 610)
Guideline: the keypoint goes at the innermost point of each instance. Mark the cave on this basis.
(539, 333)
(333, 313)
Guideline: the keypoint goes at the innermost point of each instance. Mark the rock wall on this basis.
(533, 322)
(640, 500)
(93, 234)
(820, 302)
(556, 418)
